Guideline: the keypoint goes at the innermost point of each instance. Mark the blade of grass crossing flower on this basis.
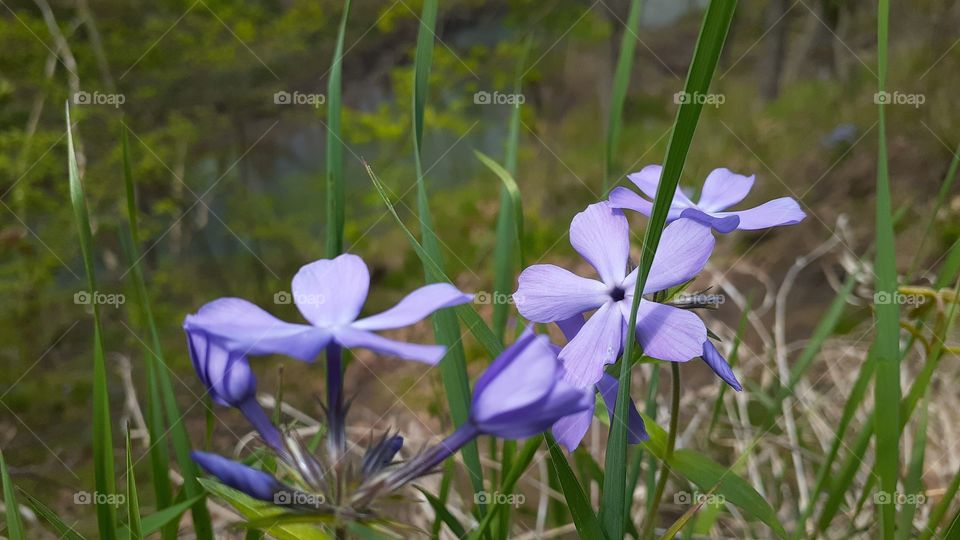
(621, 81)
(63, 530)
(453, 368)
(713, 34)
(104, 482)
(160, 386)
(334, 165)
(586, 522)
(133, 503)
(14, 524)
(913, 485)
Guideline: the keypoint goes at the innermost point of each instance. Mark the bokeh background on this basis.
(230, 182)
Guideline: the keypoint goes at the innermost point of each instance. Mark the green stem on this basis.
(651, 519)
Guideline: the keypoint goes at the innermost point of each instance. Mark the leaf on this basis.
(133, 504)
(445, 516)
(713, 33)
(621, 81)
(253, 510)
(334, 163)
(14, 524)
(104, 482)
(520, 464)
(63, 530)
(583, 516)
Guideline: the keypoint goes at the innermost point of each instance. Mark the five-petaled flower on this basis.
(548, 293)
(329, 294)
(721, 190)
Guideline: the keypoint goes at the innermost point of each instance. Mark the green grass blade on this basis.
(335, 189)
(913, 485)
(133, 502)
(588, 526)
(621, 82)
(453, 366)
(63, 530)
(713, 34)
(14, 524)
(444, 514)
(945, 187)
(510, 478)
(887, 343)
(104, 482)
(160, 386)
(941, 508)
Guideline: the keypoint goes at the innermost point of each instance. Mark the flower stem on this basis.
(651, 518)
(336, 423)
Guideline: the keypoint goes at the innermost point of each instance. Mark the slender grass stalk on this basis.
(133, 502)
(621, 82)
(713, 33)
(334, 161)
(651, 520)
(945, 186)
(12, 509)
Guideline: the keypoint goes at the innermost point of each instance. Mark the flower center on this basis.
(618, 293)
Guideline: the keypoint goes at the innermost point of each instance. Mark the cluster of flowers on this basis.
(532, 387)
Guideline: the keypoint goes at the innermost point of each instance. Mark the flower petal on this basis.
(352, 338)
(571, 326)
(723, 189)
(521, 375)
(226, 375)
(253, 482)
(415, 307)
(331, 292)
(719, 365)
(782, 211)
(570, 430)
(548, 293)
(596, 345)
(684, 249)
(722, 222)
(648, 180)
(627, 198)
(666, 332)
(245, 328)
(602, 236)
(636, 430)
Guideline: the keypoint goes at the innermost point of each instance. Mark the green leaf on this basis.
(254, 510)
(913, 485)
(14, 524)
(104, 482)
(584, 518)
(63, 530)
(445, 516)
(133, 503)
(334, 165)
(621, 81)
(713, 33)
(160, 396)
(520, 463)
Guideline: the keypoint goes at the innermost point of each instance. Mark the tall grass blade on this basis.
(14, 524)
(713, 34)
(45, 513)
(586, 522)
(621, 82)
(453, 367)
(160, 386)
(335, 189)
(133, 502)
(887, 343)
(104, 482)
(913, 485)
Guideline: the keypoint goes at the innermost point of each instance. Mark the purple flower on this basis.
(329, 294)
(721, 190)
(253, 482)
(719, 365)
(230, 382)
(547, 293)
